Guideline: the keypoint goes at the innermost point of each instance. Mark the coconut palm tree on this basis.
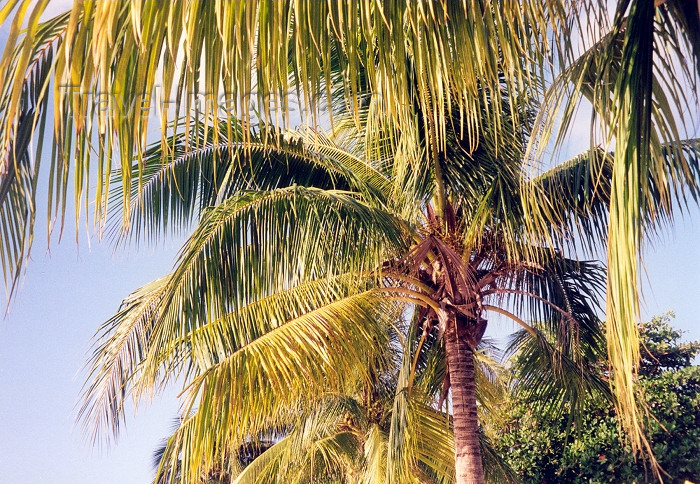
(431, 67)
(305, 254)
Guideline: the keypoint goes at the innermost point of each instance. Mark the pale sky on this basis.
(69, 293)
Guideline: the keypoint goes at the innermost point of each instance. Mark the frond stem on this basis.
(413, 296)
(534, 296)
(512, 316)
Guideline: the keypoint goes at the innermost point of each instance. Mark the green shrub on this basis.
(545, 450)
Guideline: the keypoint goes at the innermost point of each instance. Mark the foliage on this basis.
(366, 435)
(432, 67)
(662, 348)
(292, 282)
(591, 450)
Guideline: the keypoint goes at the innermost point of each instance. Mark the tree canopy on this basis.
(431, 67)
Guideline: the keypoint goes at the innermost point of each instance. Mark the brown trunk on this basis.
(460, 359)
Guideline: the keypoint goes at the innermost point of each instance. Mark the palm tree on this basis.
(421, 59)
(300, 262)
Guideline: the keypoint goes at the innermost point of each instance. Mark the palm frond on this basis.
(23, 106)
(556, 380)
(401, 459)
(575, 198)
(171, 188)
(296, 362)
(326, 442)
(375, 457)
(636, 143)
(208, 344)
(243, 243)
(121, 345)
(258, 242)
(264, 468)
(322, 446)
(125, 362)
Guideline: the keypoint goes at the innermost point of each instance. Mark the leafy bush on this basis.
(546, 450)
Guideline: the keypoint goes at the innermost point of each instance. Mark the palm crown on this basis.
(308, 253)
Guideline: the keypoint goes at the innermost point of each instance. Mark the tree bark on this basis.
(460, 358)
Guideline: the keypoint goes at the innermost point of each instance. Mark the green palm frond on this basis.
(326, 442)
(295, 362)
(575, 197)
(555, 291)
(257, 242)
(17, 210)
(556, 362)
(363, 173)
(23, 106)
(558, 380)
(199, 322)
(491, 386)
(176, 185)
(264, 468)
(435, 443)
(643, 122)
(121, 345)
(401, 458)
(375, 457)
(212, 342)
(126, 363)
(321, 446)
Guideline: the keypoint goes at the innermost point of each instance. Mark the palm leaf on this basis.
(176, 185)
(23, 129)
(257, 242)
(121, 345)
(557, 380)
(264, 467)
(295, 362)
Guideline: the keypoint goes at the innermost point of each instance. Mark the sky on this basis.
(71, 289)
(43, 345)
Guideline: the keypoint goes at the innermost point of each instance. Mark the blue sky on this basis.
(68, 292)
(43, 345)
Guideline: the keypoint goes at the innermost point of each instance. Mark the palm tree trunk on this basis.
(460, 358)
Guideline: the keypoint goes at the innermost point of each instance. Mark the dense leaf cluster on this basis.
(546, 450)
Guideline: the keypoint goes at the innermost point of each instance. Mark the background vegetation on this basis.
(556, 450)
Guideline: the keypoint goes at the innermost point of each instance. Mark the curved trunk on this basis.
(460, 358)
